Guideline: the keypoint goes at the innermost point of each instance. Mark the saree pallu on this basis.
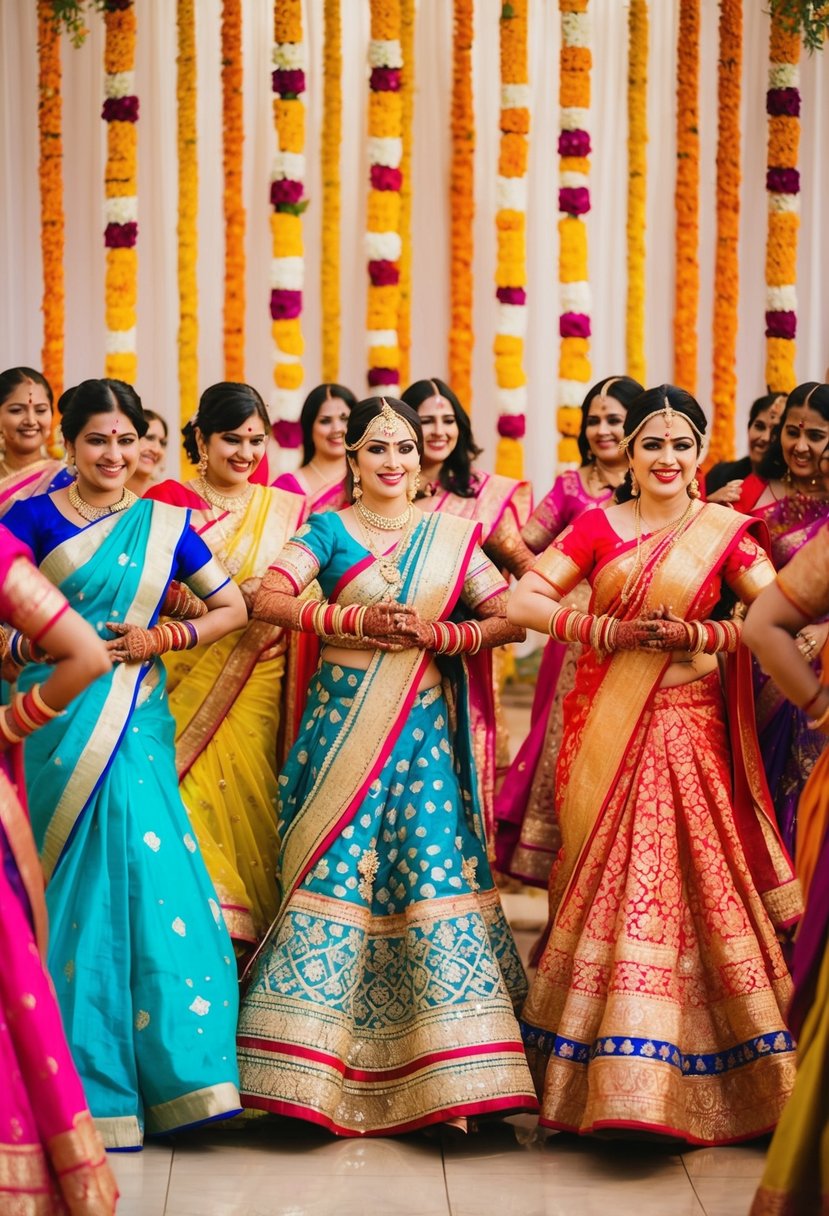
(658, 1003)
(383, 998)
(39, 478)
(143, 966)
(225, 698)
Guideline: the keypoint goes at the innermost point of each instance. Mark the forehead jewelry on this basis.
(608, 385)
(669, 414)
(384, 425)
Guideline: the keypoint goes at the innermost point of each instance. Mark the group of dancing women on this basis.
(254, 779)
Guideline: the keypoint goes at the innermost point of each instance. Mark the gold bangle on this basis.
(816, 723)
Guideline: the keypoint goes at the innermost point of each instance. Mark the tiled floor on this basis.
(283, 1168)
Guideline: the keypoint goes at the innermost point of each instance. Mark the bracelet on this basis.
(816, 723)
(6, 729)
(805, 708)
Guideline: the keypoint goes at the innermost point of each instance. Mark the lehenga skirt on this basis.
(384, 998)
(658, 1001)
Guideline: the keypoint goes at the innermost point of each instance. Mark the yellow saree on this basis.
(225, 699)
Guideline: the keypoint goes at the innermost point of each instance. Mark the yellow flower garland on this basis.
(121, 189)
(686, 198)
(234, 211)
(188, 204)
(407, 45)
(510, 231)
(637, 179)
(462, 208)
(332, 58)
(51, 201)
(726, 265)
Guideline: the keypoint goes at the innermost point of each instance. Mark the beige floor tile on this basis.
(725, 1196)
(243, 1194)
(142, 1179)
(548, 1194)
(738, 1161)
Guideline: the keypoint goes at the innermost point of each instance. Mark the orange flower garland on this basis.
(574, 368)
(332, 59)
(407, 90)
(234, 211)
(188, 202)
(462, 205)
(511, 223)
(120, 112)
(726, 266)
(289, 203)
(383, 241)
(51, 199)
(637, 178)
(783, 186)
(686, 198)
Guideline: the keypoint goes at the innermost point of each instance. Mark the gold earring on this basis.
(413, 485)
(202, 465)
(693, 488)
(357, 490)
(634, 484)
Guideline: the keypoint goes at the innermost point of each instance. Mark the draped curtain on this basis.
(84, 136)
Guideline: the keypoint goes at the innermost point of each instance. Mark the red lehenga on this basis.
(658, 1003)
(51, 1156)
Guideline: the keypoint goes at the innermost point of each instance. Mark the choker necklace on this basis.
(88, 512)
(383, 523)
(223, 502)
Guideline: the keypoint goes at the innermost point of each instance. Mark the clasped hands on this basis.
(393, 627)
(659, 629)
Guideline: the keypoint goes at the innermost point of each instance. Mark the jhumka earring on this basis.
(357, 491)
(413, 485)
(634, 484)
(202, 465)
(693, 488)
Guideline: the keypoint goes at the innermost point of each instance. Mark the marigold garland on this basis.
(783, 187)
(383, 241)
(332, 60)
(510, 226)
(462, 205)
(51, 201)
(574, 367)
(407, 91)
(686, 198)
(120, 112)
(188, 202)
(637, 181)
(289, 203)
(233, 135)
(726, 265)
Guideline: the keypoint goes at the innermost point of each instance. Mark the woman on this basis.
(320, 479)
(25, 428)
(382, 998)
(791, 499)
(51, 1157)
(450, 483)
(528, 836)
(657, 1006)
(151, 459)
(225, 696)
(724, 481)
(142, 962)
(796, 1178)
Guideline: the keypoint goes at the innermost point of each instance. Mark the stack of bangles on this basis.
(570, 625)
(27, 712)
(23, 651)
(816, 723)
(712, 637)
(331, 620)
(451, 638)
(175, 635)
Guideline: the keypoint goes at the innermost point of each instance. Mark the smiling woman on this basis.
(25, 426)
(152, 450)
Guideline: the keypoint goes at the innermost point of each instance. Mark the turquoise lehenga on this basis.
(383, 997)
(142, 963)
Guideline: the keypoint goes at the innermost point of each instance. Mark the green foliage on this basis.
(808, 18)
(70, 15)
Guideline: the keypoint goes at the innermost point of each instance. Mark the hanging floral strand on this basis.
(511, 235)
(574, 368)
(637, 183)
(288, 202)
(120, 112)
(783, 187)
(332, 117)
(407, 92)
(726, 265)
(234, 211)
(462, 205)
(51, 199)
(686, 198)
(188, 202)
(385, 150)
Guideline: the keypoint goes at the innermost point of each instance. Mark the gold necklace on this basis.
(388, 563)
(90, 513)
(597, 480)
(383, 523)
(673, 528)
(233, 503)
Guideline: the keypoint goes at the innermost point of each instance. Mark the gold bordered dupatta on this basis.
(630, 679)
(434, 573)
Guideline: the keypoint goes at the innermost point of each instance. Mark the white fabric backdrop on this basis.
(20, 323)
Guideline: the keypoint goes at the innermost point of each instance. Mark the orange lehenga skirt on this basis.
(658, 1004)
